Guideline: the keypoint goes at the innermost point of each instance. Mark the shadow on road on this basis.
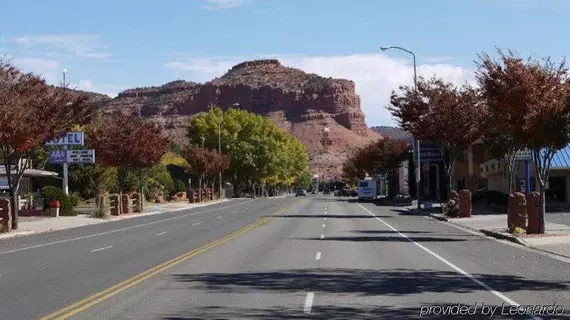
(387, 231)
(365, 282)
(328, 312)
(328, 216)
(394, 238)
(360, 282)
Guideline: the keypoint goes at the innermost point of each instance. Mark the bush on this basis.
(74, 199)
(51, 193)
(180, 186)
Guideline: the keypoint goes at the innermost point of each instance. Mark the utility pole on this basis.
(65, 165)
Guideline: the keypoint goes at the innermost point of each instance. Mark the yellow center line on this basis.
(103, 295)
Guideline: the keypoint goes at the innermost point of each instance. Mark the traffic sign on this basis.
(57, 156)
(81, 156)
(74, 138)
(524, 154)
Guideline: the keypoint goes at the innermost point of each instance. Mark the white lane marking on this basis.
(309, 302)
(117, 230)
(322, 236)
(197, 223)
(454, 267)
(325, 218)
(318, 257)
(323, 225)
(95, 250)
(219, 217)
(159, 234)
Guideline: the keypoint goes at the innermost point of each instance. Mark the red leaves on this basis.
(34, 112)
(526, 98)
(204, 161)
(439, 111)
(376, 157)
(126, 142)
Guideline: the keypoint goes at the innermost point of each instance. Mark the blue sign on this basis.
(57, 156)
(429, 152)
(69, 139)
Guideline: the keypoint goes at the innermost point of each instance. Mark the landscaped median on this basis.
(555, 240)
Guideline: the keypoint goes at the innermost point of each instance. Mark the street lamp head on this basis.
(384, 48)
(236, 104)
(64, 70)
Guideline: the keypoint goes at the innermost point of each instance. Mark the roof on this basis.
(31, 172)
(561, 159)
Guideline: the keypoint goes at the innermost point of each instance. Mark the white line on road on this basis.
(95, 250)
(159, 234)
(454, 267)
(323, 225)
(325, 218)
(318, 257)
(197, 223)
(117, 230)
(309, 302)
(322, 236)
(219, 217)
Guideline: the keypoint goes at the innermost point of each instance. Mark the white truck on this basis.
(368, 189)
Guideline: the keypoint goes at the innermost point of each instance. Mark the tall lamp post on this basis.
(65, 165)
(416, 142)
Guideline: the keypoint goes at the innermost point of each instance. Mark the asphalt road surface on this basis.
(317, 258)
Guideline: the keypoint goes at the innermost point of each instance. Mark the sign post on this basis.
(525, 155)
(65, 156)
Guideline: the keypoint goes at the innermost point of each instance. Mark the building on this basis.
(32, 180)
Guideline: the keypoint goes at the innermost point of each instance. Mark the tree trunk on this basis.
(122, 180)
(15, 205)
(542, 213)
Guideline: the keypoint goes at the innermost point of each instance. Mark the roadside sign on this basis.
(57, 156)
(523, 155)
(71, 156)
(81, 156)
(74, 138)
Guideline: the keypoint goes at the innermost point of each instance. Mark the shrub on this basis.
(50, 193)
(74, 199)
(180, 186)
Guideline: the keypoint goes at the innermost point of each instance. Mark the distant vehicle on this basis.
(301, 193)
(368, 189)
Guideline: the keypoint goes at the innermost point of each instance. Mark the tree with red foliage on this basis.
(379, 157)
(32, 114)
(206, 162)
(440, 112)
(127, 143)
(529, 100)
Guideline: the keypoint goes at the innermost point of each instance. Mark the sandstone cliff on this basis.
(302, 103)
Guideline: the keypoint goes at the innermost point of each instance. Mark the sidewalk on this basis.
(556, 240)
(34, 225)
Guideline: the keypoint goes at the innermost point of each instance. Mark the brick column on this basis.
(114, 205)
(5, 216)
(126, 203)
(465, 207)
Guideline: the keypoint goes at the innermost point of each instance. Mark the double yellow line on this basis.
(101, 296)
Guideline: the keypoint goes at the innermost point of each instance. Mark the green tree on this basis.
(261, 154)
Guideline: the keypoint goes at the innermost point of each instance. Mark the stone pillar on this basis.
(211, 194)
(5, 216)
(518, 218)
(137, 202)
(533, 212)
(114, 205)
(101, 205)
(126, 203)
(465, 208)
(193, 198)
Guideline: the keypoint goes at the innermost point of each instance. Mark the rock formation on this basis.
(302, 103)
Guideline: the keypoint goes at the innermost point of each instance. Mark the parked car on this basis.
(301, 193)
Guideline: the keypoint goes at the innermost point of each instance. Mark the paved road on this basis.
(42, 273)
(558, 217)
(325, 258)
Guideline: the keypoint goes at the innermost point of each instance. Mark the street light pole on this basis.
(65, 166)
(416, 142)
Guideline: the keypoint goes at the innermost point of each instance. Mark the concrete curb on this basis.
(498, 235)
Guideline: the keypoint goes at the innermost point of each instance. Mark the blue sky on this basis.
(108, 46)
